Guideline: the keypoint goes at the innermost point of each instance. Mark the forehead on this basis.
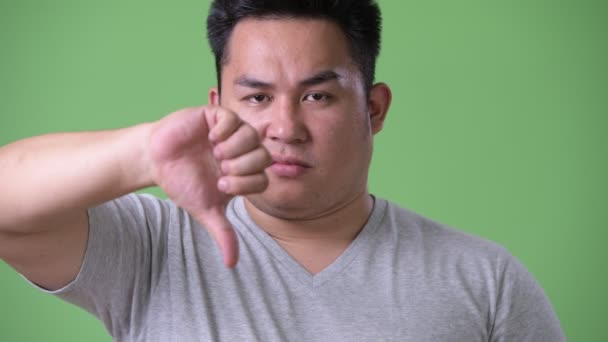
(286, 48)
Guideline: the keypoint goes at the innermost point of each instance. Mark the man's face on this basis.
(295, 82)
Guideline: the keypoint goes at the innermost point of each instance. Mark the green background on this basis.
(498, 123)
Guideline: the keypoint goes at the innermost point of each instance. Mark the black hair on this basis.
(360, 21)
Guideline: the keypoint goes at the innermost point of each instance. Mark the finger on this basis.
(247, 164)
(245, 139)
(243, 185)
(222, 124)
(222, 232)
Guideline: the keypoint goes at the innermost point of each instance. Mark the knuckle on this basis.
(258, 153)
(240, 186)
(264, 182)
(232, 189)
(221, 111)
(267, 156)
(263, 157)
(251, 134)
(235, 119)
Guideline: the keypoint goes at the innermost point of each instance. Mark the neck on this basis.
(316, 242)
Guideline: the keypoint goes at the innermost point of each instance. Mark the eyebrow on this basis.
(318, 78)
(250, 82)
(321, 77)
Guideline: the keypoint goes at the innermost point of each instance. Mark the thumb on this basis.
(221, 229)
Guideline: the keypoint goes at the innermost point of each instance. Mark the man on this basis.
(310, 254)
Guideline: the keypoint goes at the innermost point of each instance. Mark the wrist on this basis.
(138, 169)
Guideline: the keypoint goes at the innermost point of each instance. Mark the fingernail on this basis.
(222, 184)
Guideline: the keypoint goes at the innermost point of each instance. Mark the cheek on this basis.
(345, 142)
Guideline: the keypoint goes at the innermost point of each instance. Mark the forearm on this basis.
(46, 178)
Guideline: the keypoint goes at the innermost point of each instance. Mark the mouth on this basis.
(287, 160)
(288, 167)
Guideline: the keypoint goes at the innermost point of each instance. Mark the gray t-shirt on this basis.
(151, 273)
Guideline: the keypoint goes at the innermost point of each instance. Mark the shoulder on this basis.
(139, 211)
(134, 205)
(442, 254)
(438, 238)
(146, 220)
(455, 269)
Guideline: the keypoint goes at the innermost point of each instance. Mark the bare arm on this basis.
(49, 182)
(47, 177)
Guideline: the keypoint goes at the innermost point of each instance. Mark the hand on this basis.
(203, 156)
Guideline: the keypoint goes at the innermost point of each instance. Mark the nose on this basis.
(286, 123)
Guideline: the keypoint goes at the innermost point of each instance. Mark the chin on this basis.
(287, 204)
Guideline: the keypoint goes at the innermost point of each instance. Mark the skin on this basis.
(184, 165)
(49, 182)
(310, 109)
(294, 81)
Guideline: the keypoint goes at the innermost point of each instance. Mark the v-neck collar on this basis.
(285, 259)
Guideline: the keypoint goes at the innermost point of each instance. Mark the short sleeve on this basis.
(523, 311)
(124, 258)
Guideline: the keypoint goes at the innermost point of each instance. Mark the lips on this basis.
(288, 160)
(288, 167)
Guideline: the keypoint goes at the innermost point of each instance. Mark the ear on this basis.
(379, 102)
(214, 96)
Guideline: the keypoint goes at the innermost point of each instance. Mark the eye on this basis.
(258, 98)
(316, 97)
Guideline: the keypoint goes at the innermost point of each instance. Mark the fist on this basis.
(203, 156)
